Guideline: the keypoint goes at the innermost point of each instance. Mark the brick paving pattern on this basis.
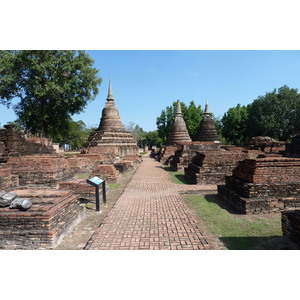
(151, 215)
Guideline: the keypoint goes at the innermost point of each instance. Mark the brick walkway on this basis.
(150, 214)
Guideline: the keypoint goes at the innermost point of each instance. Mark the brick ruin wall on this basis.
(13, 143)
(107, 172)
(186, 151)
(44, 171)
(211, 167)
(263, 185)
(165, 153)
(53, 214)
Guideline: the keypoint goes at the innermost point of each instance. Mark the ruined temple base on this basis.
(290, 223)
(211, 167)
(52, 216)
(257, 205)
(263, 185)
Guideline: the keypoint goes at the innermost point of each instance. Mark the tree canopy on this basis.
(276, 114)
(191, 114)
(51, 86)
(234, 125)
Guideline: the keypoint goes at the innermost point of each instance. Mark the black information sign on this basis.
(96, 181)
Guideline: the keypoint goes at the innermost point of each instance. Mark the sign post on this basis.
(96, 181)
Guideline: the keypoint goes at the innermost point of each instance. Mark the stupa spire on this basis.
(110, 96)
(178, 107)
(206, 108)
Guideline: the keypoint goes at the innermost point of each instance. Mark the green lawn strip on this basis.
(113, 186)
(238, 232)
(177, 176)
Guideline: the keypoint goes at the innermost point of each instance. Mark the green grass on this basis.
(113, 186)
(177, 176)
(238, 232)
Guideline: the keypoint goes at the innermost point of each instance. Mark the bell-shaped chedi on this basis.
(207, 131)
(178, 131)
(110, 119)
(111, 138)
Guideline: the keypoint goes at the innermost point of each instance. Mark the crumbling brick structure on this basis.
(13, 143)
(52, 215)
(165, 153)
(263, 185)
(267, 145)
(45, 171)
(107, 172)
(186, 151)
(211, 167)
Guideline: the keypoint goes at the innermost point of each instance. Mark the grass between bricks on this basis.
(236, 231)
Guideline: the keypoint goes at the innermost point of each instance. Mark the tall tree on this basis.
(234, 125)
(51, 86)
(277, 114)
(191, 114)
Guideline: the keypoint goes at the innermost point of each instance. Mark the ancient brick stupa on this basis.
(207, 131)
(178, 132)
(111, 138)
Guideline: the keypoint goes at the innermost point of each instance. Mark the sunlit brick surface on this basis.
(151, 214)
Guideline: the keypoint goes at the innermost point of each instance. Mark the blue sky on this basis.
(145, 82)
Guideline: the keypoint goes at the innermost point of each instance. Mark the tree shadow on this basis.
(214, 198)
(182, 178)
(256, 243)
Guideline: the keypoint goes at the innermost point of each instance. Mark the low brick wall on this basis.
(186, 151)
(211, 167)
(53, 214)
(46, 171)
(13, 143)
(106, 172)
(263, 185)
(269, 170)
(290, 223)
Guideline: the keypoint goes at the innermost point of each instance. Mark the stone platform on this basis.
(53, 214)
(263, 185)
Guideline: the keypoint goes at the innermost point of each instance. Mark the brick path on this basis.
(150, 214)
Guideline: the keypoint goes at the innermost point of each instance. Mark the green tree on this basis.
(277, 114)
(234, 125)
(51, 86)
(191, 114)
(138, 133)
(153, 139)
(74, 134)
